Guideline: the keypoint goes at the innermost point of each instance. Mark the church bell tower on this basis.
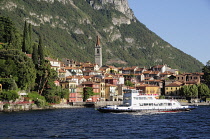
(98, 53)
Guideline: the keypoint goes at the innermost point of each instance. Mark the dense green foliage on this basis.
(195, 91)
(17, 70)
(69, 31)
(16, 65)
(37, 98)
(9, 95)
(9, 35)
(129, 83)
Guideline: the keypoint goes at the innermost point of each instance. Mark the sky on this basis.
(185, 24)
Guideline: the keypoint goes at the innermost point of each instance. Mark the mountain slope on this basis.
(70, 28)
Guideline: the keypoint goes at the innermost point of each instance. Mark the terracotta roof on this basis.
(87, 82)
(147, 72)
(174, 84)
(154, 72)
(61, 71)
(147, 85)
(87, 77)
(127, 68)
(29, 55)
(140, 69)
(51, 59)
(108, 78)
(191, 82)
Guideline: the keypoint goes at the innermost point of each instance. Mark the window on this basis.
(155, 104)
(150, 104)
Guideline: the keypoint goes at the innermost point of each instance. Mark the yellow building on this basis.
(102, 91)
(173, 89)
(148, 89)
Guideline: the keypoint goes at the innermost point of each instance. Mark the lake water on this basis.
(89, 123)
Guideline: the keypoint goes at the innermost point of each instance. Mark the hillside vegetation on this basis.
(69, 29)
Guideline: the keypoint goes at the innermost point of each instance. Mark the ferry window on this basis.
(160, 104)
(169, 104)
(141, 104)
(150, 104)
(149, 97)
(156, 104)
(146, 104)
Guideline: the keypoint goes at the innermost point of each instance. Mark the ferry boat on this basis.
(134, 101)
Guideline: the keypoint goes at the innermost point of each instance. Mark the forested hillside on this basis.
(69, 29)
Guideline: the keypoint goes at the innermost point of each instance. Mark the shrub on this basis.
(9, 95)
(6, 106)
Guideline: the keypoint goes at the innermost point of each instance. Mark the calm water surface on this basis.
(89, 123)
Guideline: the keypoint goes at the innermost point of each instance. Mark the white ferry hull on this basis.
(118, 110)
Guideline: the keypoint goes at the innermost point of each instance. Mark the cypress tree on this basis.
(35, 55)
(40, 52)
(30, 38)
(24, 46)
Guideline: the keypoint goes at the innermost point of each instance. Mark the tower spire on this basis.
(98, 41)
(98, 53)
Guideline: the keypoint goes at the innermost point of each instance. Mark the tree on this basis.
(9, 95)
(185, 90)
(35, 56)
(9, 34)
(25, 33)
(206, 71)
(129, 83)
(41, 52)
(43, 75)
(16, 65)
(30, 36)
(26, 47)
(203, 90)
(88, 92)
(194, 90)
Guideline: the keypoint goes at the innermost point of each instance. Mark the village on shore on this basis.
(108, 82)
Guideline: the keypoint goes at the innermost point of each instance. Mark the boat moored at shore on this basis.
(133, 101)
